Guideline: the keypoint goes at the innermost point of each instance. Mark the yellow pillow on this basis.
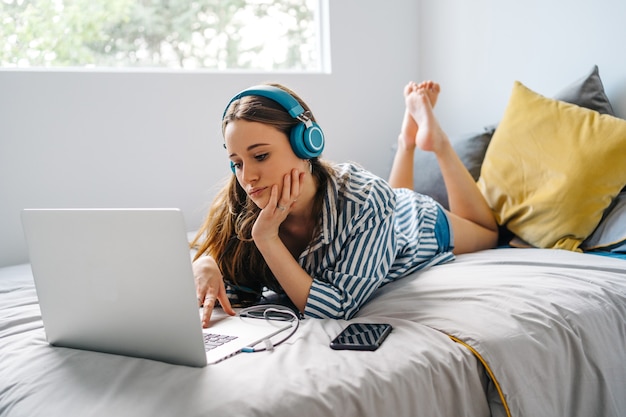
(552, 168)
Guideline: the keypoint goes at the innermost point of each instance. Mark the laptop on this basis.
(120, 281)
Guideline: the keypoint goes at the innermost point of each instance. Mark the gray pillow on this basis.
(610, 235)
(588, 92)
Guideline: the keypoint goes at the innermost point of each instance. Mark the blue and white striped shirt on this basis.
(370, 235)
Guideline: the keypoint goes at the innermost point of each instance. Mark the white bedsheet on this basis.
(417, 371)
(549, 325)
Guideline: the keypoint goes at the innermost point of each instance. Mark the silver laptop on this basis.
(120, 281)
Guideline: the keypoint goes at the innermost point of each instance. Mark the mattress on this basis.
(519, 332)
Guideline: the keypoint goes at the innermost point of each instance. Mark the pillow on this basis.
(545, 172)
(611, 232)
(587, 91)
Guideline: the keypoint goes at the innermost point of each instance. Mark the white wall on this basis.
(150, 139)
(477, 49)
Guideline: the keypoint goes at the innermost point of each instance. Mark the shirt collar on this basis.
(328, 228)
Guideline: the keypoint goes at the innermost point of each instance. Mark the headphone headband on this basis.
(276, 94)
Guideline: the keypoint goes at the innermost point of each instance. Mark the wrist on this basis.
(264, 243)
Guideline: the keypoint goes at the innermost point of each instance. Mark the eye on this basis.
(235, 165)
(261, 157)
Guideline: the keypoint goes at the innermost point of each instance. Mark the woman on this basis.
(328, 236)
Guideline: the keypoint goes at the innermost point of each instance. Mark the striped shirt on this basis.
(370, 235)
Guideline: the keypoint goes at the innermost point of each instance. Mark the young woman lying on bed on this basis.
(327, 235)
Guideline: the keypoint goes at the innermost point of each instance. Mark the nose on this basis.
(247, 174)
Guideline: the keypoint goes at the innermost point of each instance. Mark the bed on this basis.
(527, 329)
(520, 332)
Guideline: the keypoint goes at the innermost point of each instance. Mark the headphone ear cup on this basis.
(307, 142)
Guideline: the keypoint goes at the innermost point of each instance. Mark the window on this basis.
(258, 35)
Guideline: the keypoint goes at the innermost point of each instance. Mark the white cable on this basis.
(264, 311)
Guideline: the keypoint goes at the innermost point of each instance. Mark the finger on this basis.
(209, 304)
(202, 292)
(225, 303)
(295, 185)
(283, 204)
(286, 195)
(273, 201)
(270, 207)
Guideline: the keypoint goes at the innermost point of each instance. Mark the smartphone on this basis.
(361, 336)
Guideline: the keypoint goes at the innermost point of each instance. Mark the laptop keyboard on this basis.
(211, 340)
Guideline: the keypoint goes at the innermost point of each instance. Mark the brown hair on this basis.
(227, 229)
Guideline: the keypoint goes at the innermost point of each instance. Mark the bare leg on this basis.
(401, 175)
(471, 218)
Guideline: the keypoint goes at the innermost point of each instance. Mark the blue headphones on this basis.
(306, 138)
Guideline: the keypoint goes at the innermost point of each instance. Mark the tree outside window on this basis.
(261, 35)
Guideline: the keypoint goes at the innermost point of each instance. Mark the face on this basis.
(262, 156)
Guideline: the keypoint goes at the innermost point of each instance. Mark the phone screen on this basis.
(361, 336)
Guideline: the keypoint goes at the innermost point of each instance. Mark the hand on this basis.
(292, 277)
(277, 209)
(209, 288)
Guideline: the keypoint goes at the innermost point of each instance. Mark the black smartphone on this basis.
(361, 336)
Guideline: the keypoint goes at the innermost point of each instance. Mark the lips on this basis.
(256, 192)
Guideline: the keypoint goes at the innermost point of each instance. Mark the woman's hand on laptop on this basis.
(209, 288)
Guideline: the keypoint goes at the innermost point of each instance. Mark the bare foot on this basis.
(430, 136)
(409, 126)
(432, 90)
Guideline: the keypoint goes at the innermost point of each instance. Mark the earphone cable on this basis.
(270, 312)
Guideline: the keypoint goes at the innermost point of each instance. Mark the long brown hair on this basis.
(226, 233)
